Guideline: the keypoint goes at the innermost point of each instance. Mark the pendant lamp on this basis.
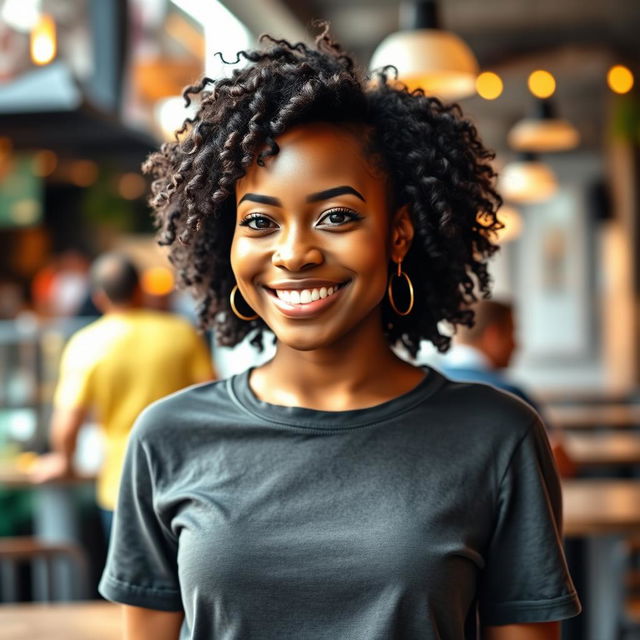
(527, 180)
(426, 56)
(543, 131)
(511, 220)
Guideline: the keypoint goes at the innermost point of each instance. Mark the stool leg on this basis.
(8, 580)
(40, 580)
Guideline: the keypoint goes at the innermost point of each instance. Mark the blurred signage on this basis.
(20, 193)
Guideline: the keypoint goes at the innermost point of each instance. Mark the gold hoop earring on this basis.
(232, 300)
(392, 302)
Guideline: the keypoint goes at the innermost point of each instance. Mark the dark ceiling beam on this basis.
(109, 32)
(305, 12)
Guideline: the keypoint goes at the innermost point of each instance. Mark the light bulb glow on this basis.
(620, 79)
(542, 84)
(489, 85)
(131, 186)
(44, 163)
(43, 43)
(511, 220)
(157, 281)
(527, 181)
(83, 173)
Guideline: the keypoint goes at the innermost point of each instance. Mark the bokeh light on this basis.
(131, 186)
(620, 79)
(542, 84)
(157, 281)
(43, 44)
(44, 163)
(83, 173)
(489, 85)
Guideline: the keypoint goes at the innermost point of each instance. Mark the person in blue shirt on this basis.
(483, 353)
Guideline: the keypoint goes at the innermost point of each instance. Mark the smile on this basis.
(305, 296)
(296, 303)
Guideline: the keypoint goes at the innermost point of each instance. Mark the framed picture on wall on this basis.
(554, 283)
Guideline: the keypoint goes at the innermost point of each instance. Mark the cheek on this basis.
(244, 258)
(370, 255)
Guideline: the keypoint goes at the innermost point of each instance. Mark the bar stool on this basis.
(59, 571)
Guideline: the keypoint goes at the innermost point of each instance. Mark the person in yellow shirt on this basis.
(115, 367)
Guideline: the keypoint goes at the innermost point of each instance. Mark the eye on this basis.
(338, 217)
(258, 222)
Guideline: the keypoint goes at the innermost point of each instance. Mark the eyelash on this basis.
(351, 216)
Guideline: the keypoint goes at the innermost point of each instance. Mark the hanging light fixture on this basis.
(511, 221)
(543, 131)
(426, 56)
(527, 180)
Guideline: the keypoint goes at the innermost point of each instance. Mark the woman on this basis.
(337, 491)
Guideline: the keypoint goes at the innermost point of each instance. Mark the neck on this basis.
(121, 307)
(359, 370)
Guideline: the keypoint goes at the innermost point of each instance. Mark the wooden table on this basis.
(70, 621)
(602, 512)
(616, 416)
(603, 448)
(595, 507)
(55, 517)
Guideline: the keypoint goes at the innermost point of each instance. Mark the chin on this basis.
(307, 338)
(303, 343)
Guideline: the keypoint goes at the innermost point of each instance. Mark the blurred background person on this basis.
(115, 367)
(483, 353)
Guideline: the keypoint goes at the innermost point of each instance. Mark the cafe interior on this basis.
(88, 88)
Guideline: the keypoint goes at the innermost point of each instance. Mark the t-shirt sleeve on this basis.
(73, 389)
(526, 579)
(141, 567)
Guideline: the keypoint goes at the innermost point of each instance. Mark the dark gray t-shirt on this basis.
(410, 520)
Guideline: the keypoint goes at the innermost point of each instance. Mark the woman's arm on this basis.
(537, 631)
(150, 624)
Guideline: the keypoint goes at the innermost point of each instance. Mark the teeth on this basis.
(304, 296)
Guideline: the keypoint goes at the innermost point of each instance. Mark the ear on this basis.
(402, 232)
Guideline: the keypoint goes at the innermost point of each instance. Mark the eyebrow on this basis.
(314, 197)
(256, 197)
(335, 191)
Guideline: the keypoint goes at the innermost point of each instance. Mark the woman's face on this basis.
(314, 237)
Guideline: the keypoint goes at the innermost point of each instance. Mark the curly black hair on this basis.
(435, 163)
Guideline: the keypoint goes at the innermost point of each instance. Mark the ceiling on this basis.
(577, 40)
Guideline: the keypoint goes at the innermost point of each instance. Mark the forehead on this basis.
(313, 157)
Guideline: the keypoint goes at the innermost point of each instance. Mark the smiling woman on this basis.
(337, 491)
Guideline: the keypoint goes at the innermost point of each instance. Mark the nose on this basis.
(296, 251)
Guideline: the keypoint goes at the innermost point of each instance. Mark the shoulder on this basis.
(168, 319)
(485, 409)
(197, 406)
(182, 332)
(89, 341)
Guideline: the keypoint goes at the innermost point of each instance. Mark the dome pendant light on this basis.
(543, 131)
(527, 180)
(426, 56)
